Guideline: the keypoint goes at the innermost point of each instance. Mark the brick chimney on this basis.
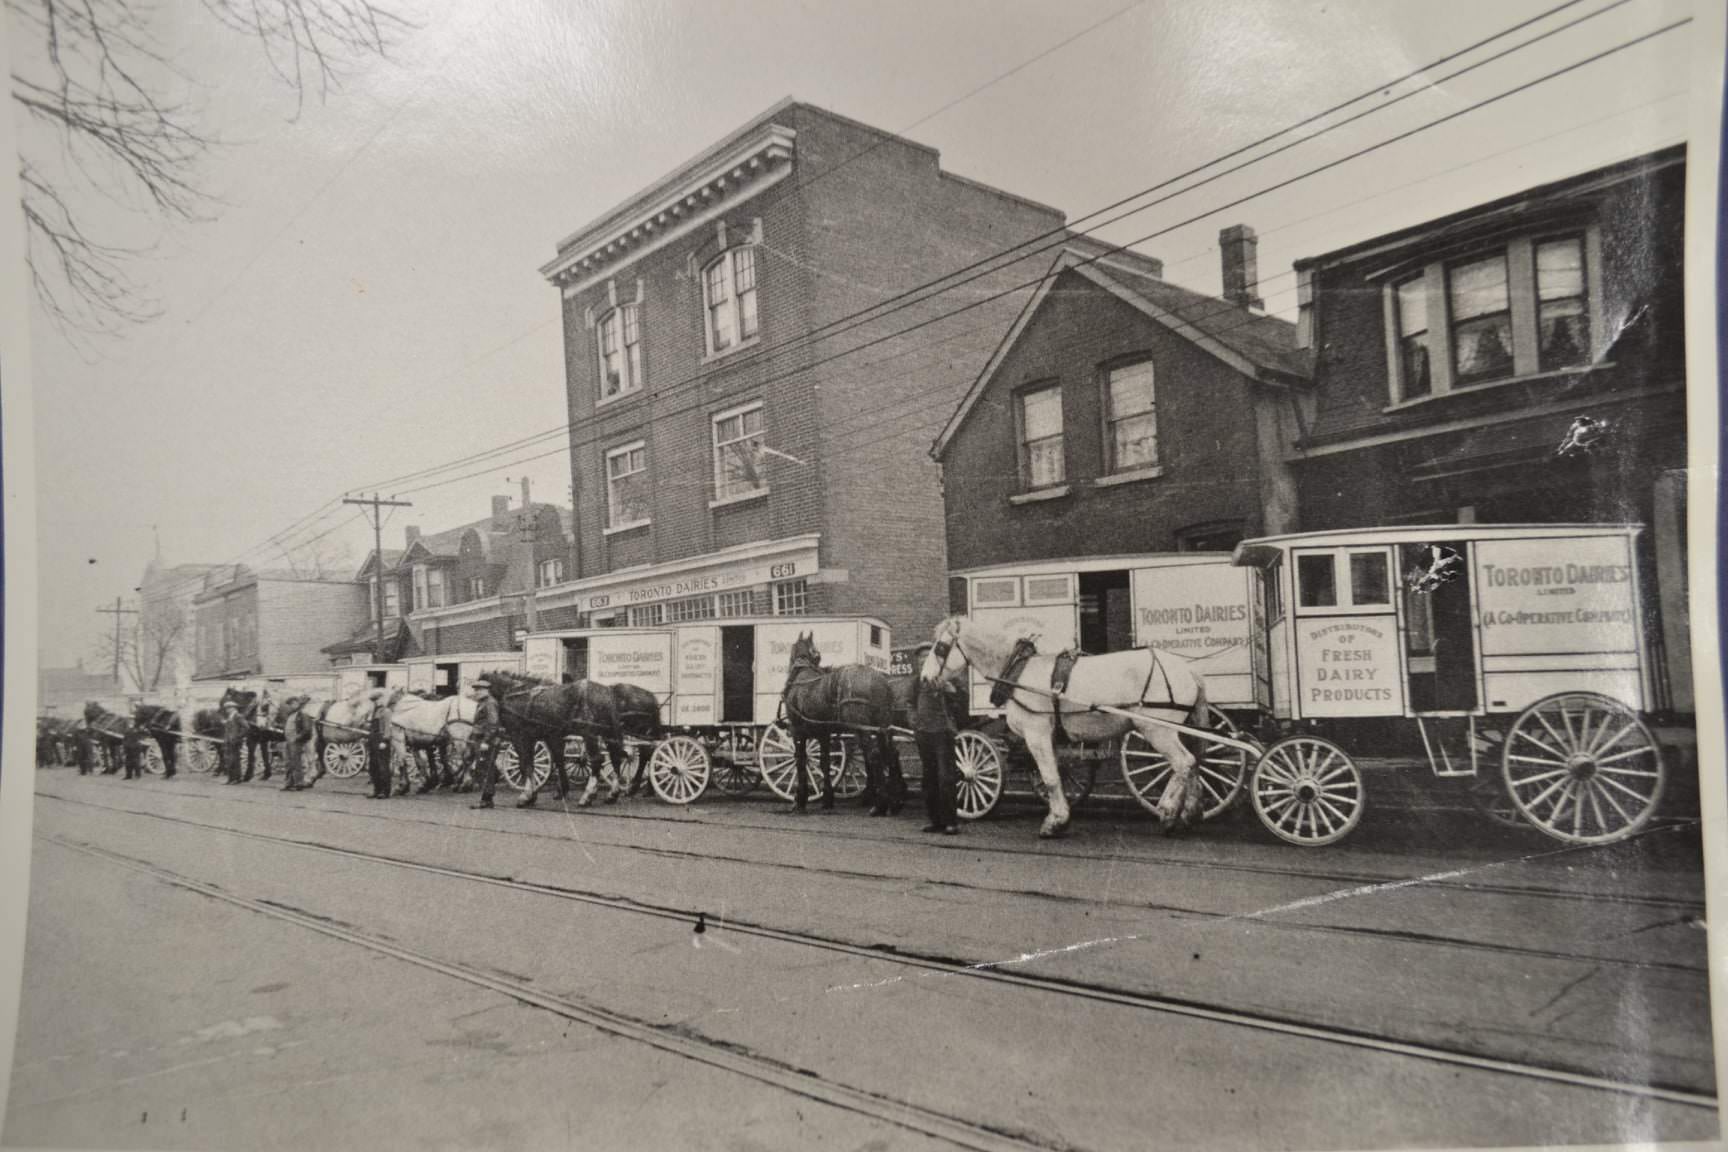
(410, 534)
(1236, 247)
(500, 506)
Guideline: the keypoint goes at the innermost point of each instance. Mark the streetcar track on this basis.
(678, 1040)
(1115, 856)
(994, 972)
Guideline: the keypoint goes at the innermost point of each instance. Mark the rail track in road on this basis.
(992, 972)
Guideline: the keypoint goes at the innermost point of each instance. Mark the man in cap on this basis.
(933, 708)
(296, 735)
(234, 732)
(484, 740)
(378, 747)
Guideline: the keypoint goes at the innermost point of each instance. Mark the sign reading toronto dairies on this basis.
(1531, 601)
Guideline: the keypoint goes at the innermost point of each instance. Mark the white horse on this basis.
(420, 727)
(1143, 681)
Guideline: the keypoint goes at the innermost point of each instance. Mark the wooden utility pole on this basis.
(377, 505)
(528, 531)
(118, 613)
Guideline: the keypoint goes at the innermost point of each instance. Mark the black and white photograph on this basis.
(982, 575)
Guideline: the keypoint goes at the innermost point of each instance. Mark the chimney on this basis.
(410, 534)
(500, 506)
(525, 502)
(1236, 246)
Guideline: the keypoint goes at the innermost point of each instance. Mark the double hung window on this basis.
(1041, 437)
(738, 441)
(1133, 418)
(627, 486)
(619, 340)
(729, 299)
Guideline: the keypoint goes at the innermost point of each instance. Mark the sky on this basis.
(363, 301)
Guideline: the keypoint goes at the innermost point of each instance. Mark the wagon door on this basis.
(738, 674)
(1439, 629)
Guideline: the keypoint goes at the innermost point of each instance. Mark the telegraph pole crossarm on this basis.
(378, 505)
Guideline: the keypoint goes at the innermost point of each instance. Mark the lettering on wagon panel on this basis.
(1349, 667)
(1556, 596)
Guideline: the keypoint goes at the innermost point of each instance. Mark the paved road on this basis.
(221, 967)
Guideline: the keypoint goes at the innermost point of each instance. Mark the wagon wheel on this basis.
(1220, 771)
(679, 769)
(197, 759)
(1583, 768)
(780, 769)
(511, 770)
(575, 761)
(345, 760)
(733, 774)
(978, 764)
(851, 775)
(153, 762)
(1307, 791)
(1078, 777)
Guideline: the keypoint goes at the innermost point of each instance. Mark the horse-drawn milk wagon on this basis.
(719, 684)
(1192, 604)
(1529, 637)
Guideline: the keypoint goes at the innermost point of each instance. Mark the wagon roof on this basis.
(1094, 564)
(1266, 549)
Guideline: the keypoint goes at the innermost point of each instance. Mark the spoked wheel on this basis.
(511, 769)
(1078, 777)
(153, 762)
(851, 775)
(198, 757)
(1220, 771)
(1307, 791)
(1583, 768)
(575, 762)
(733, 771)
(679, 769)
(978, 763)
(344, 761)
(780, 766)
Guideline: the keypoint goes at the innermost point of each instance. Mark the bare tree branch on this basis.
(128, 129)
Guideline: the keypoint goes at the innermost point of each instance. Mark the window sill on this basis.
(741, 498)
(627, 394)
(630, 527)
(1130, 477)
(716, 357)
(1040, 494)
(1490, 385)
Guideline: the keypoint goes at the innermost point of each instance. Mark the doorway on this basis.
(1440, 634)
(1106, 614)
(576, 657)
(738, 674)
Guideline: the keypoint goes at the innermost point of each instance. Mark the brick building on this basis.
(466, 589)
(720, 467)
(1123, 414)
(252, 623)
(1453, 360)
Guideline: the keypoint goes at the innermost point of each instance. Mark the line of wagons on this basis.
(1521, 653)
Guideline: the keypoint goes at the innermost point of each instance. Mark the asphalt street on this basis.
(214, 967)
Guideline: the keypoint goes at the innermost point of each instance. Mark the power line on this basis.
(901, 300)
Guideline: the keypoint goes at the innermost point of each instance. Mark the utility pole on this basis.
(378, 507)
(118, 613)
(528, 531)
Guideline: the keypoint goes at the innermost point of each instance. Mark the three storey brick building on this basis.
(738, 447)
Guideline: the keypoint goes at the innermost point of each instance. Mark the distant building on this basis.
(166, 632)
(725, 462)
(1521, 361)
(252, 623)
(64, 691)
(465, 589)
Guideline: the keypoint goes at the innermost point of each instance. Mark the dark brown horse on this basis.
(110, 730)
(821, 703)
(259, 711)
(637, 713)
(162, 724)
(535, 711)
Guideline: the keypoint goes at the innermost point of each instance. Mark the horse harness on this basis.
(800, 675)
(1003, 685)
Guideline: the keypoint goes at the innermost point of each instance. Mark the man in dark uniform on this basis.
(378, 747)
(132, 751)
(234, 730)
(86, 748)
(484, 740)
(933, 707)
(296, 737)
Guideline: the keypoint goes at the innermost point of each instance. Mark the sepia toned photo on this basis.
(988, 575)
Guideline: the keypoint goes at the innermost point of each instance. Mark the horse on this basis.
(110, 730)
(1142, 681)
(163, 725)
(637, 713)
(534, 710)
(852, 698)
(437, 729)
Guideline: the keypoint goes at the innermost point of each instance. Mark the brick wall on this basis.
(1206, 441)
(299, 618)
